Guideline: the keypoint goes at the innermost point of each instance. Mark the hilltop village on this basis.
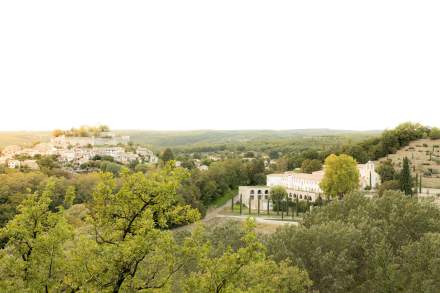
(73, 151)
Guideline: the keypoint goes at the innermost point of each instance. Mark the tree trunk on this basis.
(118, 283)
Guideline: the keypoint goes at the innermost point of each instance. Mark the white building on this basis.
(106, 138)
(13, 164)
(203, 168)
(303, 186)
(147, 155)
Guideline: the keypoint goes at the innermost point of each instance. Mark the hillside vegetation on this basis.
(424, 156)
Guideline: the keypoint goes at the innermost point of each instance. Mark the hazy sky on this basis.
(219, 64)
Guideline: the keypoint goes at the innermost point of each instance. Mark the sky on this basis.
(229, 64)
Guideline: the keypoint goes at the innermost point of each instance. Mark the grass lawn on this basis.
(220, 201)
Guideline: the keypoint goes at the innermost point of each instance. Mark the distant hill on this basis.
(182, 139)
(424, 155)
(23, 137)
(213, 137)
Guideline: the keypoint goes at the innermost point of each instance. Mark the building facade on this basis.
(301, 186)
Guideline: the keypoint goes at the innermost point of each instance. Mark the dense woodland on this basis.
(113, 229)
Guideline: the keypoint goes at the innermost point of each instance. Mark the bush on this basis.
(388, 185)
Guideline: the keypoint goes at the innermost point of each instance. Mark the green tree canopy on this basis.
(34, 255)
(167, 155)
(278, 193)
(129, 240)
(310, 166)
(341, 176)
(243, 269)
(386, 171)
(434, 133)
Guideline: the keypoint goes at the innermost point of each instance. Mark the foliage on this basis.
(386, 171)
(83, 131)
(389, 185)
(167, 155)
(223, 177)
(278, 193)
(419, 269)
(328, 252)
(405, 179)
(341, 176)
(34, 253)
(310, 166)
(362, 245)
(242, 269)
(127, 228)
(435, 133)
(14, 188)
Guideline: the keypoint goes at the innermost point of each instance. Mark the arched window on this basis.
(259, 191)
(266, 192)
(300, 196)
(252, 191)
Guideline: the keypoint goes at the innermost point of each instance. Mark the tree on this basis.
(33, 258)
(130, 246)
(358, 153)
(419, 269)
(388, 185)
(242, 269)
(277, 195)
(57, 132)
(310, 166)
(405, 178)
(273, 154)
(434, 133)
(355, 245)
(328, 252)
(341, 176)
(386, 171)
(167, 155)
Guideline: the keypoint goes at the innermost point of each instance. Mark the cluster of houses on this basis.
(301, 186)
(76, 151)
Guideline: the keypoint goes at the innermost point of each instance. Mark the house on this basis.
(147, 155)
(11, 150)
(13, 164)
